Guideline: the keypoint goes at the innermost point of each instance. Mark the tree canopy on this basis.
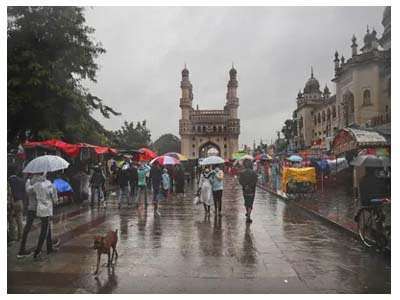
(50, 53)
(131, 136)
(167, 143)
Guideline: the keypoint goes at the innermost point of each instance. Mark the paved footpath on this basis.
(282, 251)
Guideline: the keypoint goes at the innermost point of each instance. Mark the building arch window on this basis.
(214, 129)
(193, 146)
(204, 128)
(333, 112)
(328, 114)
(323, 116)
(319, 117)
(225, 146)
(315, 120)
(367, 98)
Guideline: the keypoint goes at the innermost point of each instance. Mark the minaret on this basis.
(232, 101)
(187, 95)
(336, 61)
(354, 46)
(186, 108)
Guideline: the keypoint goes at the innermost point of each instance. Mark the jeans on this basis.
(45, 234)
(97, 194)
(30, 217)
(156, 192)
(123, 193)
(217, 195)
(142, 189)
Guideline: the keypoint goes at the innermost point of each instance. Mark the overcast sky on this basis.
(273, 49)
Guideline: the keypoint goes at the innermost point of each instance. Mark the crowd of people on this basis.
(35, 195)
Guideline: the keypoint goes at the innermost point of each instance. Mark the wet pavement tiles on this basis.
(282, 251)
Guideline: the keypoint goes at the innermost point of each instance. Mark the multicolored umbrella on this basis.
(165, 160)
(263, 156)
(177, 155)
(146, 154)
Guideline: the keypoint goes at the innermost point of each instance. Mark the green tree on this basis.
(167, 143)
(50, 53)
(289, 130)
(131, 136)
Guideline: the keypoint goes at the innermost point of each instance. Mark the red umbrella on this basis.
(146, 154)
(165, 160)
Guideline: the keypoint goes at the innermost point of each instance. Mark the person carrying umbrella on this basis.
(217, 181)
(46, 196)
(205, 190)
(155, 175)
(248, 180)
(179, 180)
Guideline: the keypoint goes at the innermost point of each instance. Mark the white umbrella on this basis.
(45, 164)
(212, 160)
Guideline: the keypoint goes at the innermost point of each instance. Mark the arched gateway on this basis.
(201, 130)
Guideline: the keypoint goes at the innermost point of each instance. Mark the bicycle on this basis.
(373, 224)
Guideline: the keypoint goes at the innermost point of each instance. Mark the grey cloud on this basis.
(273, 49)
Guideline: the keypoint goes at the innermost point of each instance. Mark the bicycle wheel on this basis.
(366, 227)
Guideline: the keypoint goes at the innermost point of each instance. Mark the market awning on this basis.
(349, 139)
(71, 150)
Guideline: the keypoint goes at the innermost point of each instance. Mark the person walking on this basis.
(133, 180)
(123, 183)
(171, 178)
(30, 216)
(18, 198)
(97, 182)
(248, 180)
(205, 190)
(46, 196)
(217, 181)
(165, 183)
(179, 180)
(156, 177)
(142, 184)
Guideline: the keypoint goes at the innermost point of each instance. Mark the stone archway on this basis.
(203, 149)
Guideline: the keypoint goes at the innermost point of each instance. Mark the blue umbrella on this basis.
(295, 158)
(62, 186)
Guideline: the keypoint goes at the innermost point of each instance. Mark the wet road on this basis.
(282, 251)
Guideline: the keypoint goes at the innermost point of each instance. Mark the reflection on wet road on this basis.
(282, 251)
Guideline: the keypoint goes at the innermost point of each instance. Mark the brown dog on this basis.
(103, 244)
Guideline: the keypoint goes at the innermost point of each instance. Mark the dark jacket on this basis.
(248, 180)
(17, 185)
(98, 178)
(155, 175)
(123, 177)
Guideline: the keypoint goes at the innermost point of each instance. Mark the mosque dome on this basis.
(312, 85)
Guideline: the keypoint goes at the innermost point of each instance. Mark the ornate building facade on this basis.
(362, 97)
(201, 130)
